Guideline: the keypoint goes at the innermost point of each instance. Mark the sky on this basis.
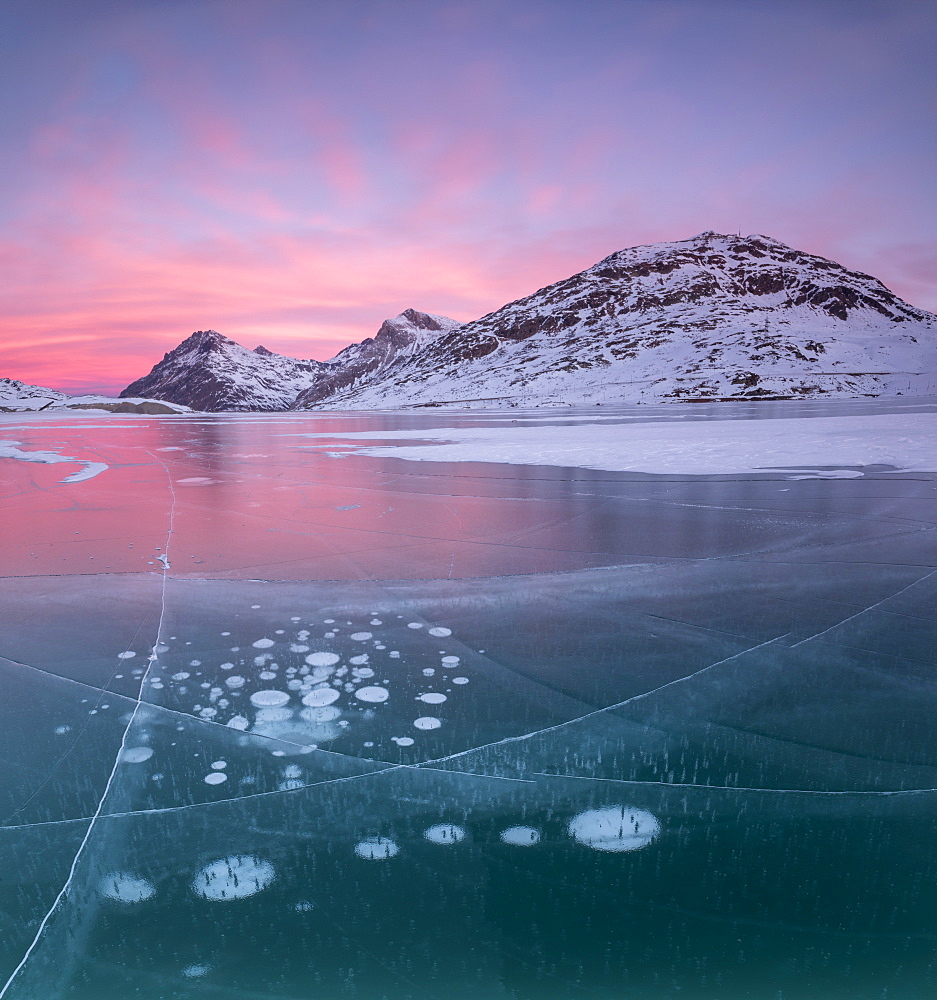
(292, 172)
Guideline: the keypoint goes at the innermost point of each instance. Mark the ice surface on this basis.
(387, 729)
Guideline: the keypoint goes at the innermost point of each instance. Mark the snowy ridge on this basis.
(207, 371)
(379, 356)
(712, 317)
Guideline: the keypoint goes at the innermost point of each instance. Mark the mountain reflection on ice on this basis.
(383, 730)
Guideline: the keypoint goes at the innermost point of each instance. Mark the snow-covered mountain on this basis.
(377, 358)
(19, 397)
(712, 317)
(210, 372)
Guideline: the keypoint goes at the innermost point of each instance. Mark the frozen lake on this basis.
(533, 706)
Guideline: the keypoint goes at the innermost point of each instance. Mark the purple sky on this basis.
(290, 173)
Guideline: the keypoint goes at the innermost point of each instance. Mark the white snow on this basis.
(904, 441)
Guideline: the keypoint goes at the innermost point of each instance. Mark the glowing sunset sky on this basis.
(290, 172)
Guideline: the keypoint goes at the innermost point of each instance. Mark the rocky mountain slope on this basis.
(712, 317)
(376, 359)
(210, 372)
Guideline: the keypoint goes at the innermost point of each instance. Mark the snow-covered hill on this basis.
(210, 372)
(18, 397)
(712, 317)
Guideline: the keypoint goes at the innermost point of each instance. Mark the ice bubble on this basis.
(460, 680)
(254, 607)
(227, 666)
(183, 675)
(395, 653)
(363, 673)
(136, 755)
(127, 654)
(292, 771)
(219, 765)
(263, 643)
(290, 785)
(357, 661)
(415, 625)
(208, 713)
(360, 636)
(432, 698)
(276, 713)
(126, 888)
(234, 877)
(269, 698)
(324, 713)
(614, 828)
(234, 681)
(62, 730)
(450, 661)
(215, 778)
(376, 848)
(321, 696)
(298, 647)
(445, 833)
(428, 671)
(427, 722)
(267, 675)
(157, 685)
(403, 741)
(238, 722)
(196, 971)
(322, 659)
(373, 694)
(375, 621)
(440, 632)
(520, 836)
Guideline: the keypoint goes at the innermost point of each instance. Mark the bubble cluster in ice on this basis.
(376, 848)
(520, 836)
(295, 697)
(235, 877)
(126, 888)
(445, 833)
(136, 755)
(614, 828)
